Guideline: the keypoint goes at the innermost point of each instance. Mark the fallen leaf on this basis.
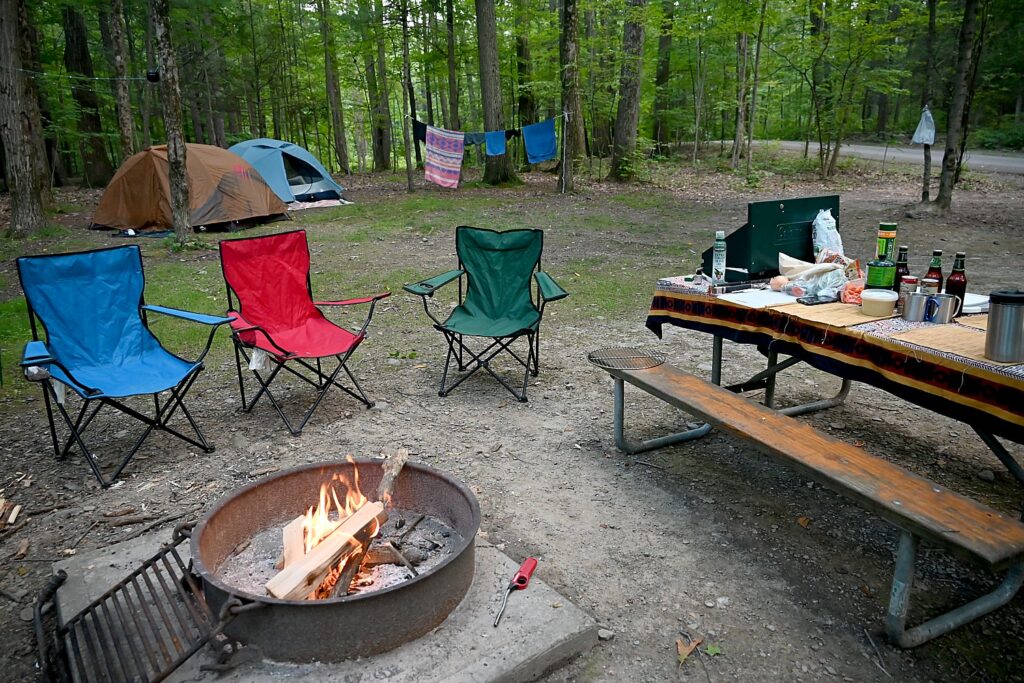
(803, 521)
(684, 650)
(712, 650)
(22, 550)
(858, 443)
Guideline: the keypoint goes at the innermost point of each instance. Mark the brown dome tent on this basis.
(222, 188)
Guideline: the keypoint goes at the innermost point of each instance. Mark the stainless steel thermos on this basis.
(1004, 339)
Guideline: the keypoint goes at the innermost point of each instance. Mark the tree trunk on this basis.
(123, 101)
(628, 113)
(53, 164)
(407, 95)
(741, 99)
(926, 94)
(571, 148)
(453, 83)
(700, 82)
(95, 162)
(524, 66)
(171, 97)
(497, 169)
(753, 94)
(955, 113)
(384, 102)
(662, 73)
(333, 91)
(214, 65)
(971, 89)
(409, 87)
(147, 87)
(20, 128)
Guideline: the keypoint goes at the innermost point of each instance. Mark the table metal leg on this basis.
(1004, 456)
(716, 360)
(769, 387)
(632, 447)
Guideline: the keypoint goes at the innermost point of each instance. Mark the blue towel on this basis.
(495, 143)
(540, 141)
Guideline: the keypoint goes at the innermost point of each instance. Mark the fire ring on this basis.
(344, 627)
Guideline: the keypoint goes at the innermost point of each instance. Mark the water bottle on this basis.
(718, 257)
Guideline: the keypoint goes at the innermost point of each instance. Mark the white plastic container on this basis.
(878, 302)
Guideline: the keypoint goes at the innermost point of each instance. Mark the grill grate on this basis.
(141, 629)
(623, 358)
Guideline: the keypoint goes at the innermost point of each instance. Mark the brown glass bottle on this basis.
(935, 268)
(957, 281)
(901, 268)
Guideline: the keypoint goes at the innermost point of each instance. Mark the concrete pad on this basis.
(539, 630)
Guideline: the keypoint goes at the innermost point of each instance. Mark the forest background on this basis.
(652, 78)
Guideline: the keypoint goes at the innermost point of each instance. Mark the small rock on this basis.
(27, 613)
(837, 425)
(605, 634)
(722, 602)
(709, 603)
(987, 475)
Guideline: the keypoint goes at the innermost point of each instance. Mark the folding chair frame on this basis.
(90, 398)
(323, 382)
(458, 349)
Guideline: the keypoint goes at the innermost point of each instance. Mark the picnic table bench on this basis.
(919, 508)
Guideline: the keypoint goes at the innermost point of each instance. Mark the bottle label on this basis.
(881, 276)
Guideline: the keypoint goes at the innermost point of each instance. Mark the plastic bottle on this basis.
(718, 257)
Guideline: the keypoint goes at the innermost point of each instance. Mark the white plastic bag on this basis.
(260, 361)
(824, 234)
(925, 133)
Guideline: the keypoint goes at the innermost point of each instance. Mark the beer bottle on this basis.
(935, 268)
(901, 268)
(957, 281)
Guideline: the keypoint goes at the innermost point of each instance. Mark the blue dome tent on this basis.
(292, 173)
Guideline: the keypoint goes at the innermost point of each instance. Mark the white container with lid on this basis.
(878, 302)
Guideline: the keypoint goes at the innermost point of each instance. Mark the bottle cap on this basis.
(719, 234)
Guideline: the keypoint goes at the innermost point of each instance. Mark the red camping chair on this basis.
(276, 320)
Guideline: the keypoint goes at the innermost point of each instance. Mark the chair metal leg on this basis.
(899, 600)
(632, 447)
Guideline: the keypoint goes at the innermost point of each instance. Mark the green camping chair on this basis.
(498, 303)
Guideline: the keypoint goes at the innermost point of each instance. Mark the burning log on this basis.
(303, 577)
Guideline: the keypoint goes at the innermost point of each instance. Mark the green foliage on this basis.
(999, 138)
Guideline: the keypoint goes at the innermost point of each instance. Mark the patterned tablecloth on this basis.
(986, 396)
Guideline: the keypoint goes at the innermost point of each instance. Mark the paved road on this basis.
(993, 162)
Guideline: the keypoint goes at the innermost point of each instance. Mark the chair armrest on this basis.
(36, 353)
(349, 302)
(201, 318)
(428, 287)
(549, 289)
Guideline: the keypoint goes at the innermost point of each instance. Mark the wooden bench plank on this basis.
(962, 525)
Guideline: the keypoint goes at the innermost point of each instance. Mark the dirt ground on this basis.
(782, 579)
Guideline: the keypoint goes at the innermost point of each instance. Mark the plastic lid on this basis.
(879, 295)
(719, 234)
(1013, 297)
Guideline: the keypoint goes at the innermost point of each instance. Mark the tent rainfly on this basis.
(291, 171)
(222, 188)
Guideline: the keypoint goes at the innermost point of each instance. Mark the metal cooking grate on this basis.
(141, 629)
(622, 358)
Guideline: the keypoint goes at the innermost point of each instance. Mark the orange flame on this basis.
(323, 518)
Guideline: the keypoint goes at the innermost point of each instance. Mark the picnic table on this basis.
(938, 367)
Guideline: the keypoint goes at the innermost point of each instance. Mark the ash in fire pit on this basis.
(424, 541)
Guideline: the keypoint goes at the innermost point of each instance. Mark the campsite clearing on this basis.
(782, 579)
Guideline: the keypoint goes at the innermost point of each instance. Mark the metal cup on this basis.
(914, 307)
(941, 307)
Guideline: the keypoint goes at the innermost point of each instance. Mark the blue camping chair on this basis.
(99, 345)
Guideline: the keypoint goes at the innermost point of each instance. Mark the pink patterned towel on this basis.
(443, 164)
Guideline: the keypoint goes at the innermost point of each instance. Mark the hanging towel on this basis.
(444, 156)
(495, 143)
(419, 131)
(474, 138)
(540, 141)
(513, 133)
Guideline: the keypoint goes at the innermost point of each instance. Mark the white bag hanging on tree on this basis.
(824, 234)
(925, 133)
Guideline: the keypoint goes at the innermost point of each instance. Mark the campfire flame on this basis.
(323, 518)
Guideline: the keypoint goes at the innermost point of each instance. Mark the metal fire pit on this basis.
(344, 627)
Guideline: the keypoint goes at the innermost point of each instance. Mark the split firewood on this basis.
(392, 468)
(383, 554)
(301, 578)
(292, 543)
(14, 514)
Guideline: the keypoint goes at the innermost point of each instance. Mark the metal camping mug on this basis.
(941, 307)
(914, 306)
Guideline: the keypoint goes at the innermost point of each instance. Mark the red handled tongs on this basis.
(519, 582)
